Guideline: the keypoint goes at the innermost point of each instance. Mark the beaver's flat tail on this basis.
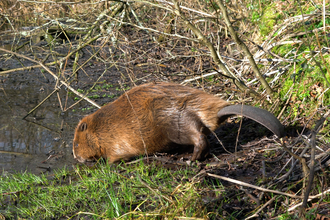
(259, 115)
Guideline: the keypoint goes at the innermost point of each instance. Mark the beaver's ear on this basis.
(83, 126)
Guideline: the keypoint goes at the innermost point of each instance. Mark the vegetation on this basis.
(273, 54)
(124, 191)
(128, 191)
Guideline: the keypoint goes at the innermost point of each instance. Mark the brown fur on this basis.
(147, 119)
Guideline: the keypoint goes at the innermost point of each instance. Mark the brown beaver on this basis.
(156, 117)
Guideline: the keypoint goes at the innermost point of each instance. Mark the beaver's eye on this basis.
(76, 145)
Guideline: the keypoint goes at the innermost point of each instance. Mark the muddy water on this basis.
(42, 142)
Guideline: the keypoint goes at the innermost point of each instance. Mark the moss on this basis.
(268, 19)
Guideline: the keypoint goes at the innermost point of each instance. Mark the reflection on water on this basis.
(44, 139)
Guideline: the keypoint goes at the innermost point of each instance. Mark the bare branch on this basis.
(202, 39)
(244, 48)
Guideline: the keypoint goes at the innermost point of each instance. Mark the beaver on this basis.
(158, 117)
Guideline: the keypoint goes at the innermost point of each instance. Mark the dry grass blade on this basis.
(252, 186)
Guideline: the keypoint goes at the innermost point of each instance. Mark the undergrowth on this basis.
(104, 191)
(130, 191)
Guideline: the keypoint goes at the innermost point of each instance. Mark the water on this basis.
(44, 139)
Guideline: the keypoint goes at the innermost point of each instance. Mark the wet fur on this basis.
(147, 119)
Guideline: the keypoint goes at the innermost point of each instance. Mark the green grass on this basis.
(138, 190)
(104, 191)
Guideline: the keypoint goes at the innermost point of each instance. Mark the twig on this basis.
(301, 159)
(244, 48)
(187, 9)
(14, 153)
(25, 68)
(261, 208)
(203, 40)
(156, 31)
(47, 64)
(310, 198)
(117, 8)
(51, 73)
(160, 195)
(220, 142)
(36, 107)
(316, 129)
(253, 186)
(90, 88)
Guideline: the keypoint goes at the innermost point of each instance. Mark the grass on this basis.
(104, 191)
(130, 191)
